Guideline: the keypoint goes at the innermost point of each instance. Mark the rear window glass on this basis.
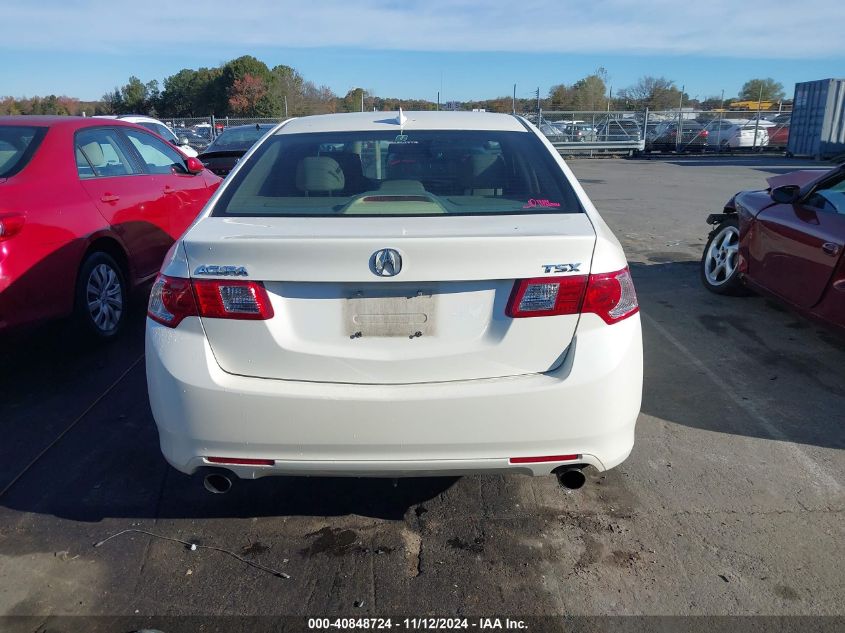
(159, 129)
(237, 138)
(414, 173)
(18, 144)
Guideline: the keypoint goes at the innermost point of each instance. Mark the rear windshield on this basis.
(160, 129)
(414, 173)
(17, 146)
(239, 138)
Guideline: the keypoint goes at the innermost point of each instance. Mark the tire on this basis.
(719, 263)
(101, 300)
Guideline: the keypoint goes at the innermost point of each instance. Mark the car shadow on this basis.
(774, 360)
(108, 464)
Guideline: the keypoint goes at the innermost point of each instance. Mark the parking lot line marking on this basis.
(746, 405)
(99, 398)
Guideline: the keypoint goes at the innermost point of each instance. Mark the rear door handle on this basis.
(169, 190)
(109, 198)
(830, 248)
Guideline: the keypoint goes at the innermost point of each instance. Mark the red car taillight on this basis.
(611, 296)
(546, 296)
(220, 299)
(172, 299)
(10, 225)
(704, 133)
(608, 295)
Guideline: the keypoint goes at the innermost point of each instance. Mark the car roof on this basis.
(261, 126)
(57, 120)
(134, 118)
(383, 121)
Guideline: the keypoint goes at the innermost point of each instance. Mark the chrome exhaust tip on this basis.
(571, 478)
(217, 483)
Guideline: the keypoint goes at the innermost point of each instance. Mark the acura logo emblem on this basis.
(386, 262)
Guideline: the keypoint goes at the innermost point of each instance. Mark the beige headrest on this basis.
(94, 153)
(319, 173)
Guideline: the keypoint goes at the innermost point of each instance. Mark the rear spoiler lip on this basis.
(227, 153)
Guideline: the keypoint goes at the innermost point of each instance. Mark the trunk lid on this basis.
(441, 318)
(221, 162)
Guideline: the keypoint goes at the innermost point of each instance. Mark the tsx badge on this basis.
(561, 268)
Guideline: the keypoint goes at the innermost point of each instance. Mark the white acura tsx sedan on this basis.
(380, 295)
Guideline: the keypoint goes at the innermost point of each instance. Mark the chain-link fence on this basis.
(198, 132)
(683, 130)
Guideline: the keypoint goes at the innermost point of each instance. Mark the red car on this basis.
(88, 210)
(785, 241)
(778, 135)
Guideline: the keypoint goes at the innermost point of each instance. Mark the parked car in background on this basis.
(88, 209)
(736, 133)
(337, 310)
(226, 150)
(670, 136)
(618, 130)
(580, 131)
(159, 128)
(553, 131)
(193, 138)
(785, 241)
(779, 132)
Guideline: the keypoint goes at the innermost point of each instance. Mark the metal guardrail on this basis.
(590, 146)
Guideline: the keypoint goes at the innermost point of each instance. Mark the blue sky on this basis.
(413, 48)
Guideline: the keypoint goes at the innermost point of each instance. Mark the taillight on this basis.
(10, 225)
(172, 299)
(546, 296)
(220, 299)
(611, 296)
(705, 133)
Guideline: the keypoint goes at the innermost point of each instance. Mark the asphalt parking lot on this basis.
(731, 503)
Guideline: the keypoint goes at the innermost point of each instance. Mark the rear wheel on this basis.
(719, 264)
(101, 297)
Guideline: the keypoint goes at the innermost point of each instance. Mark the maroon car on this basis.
(785, 241)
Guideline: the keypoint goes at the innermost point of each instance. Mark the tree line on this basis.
(242, 87)
(656, 93)
(247, 87)
(51, 104)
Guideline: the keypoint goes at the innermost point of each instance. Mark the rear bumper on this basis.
(587, 407)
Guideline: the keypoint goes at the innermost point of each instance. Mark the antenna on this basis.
(401, 119)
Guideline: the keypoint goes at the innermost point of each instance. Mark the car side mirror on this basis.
(194, 165)
(183, 140)
(787, 194)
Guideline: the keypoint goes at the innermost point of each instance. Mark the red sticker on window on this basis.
(540, 203)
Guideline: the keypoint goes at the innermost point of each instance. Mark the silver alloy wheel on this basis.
(721, 259)
(104, 297)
